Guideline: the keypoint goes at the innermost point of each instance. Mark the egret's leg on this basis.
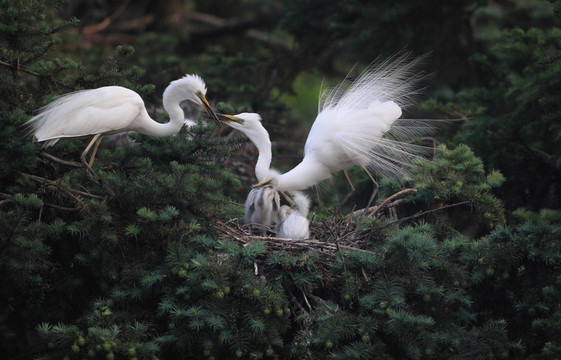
(340, 205)
(94, 151)
(352, 187)
(374, 191)
(83, 156)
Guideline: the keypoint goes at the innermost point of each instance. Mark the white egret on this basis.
(351, 123)
(293, 222)
(262, 205)
(114, 109)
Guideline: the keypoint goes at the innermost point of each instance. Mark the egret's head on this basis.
(243, 122)
(270, 180)
(193, 88)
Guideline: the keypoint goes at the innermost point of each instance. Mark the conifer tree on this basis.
(145, 260)
(68, 237)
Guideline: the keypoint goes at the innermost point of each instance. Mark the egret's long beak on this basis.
(262, 183)
(208, 109)
(229, 118)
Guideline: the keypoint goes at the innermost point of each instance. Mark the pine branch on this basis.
(421, 213)
(18, 68)
(67, 191)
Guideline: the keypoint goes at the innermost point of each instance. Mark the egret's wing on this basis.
(88, 112)
(352, 121)
(356, 115)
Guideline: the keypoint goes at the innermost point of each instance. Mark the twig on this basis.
(421, 213)
(372, 210)
(2, 202)
(61, 207)
(295, 300)
(54, 183)
(60, 161)
(106, 22)
(305, 299)
(301, 290)
(308, 243)
(19, 68)
(364, 274)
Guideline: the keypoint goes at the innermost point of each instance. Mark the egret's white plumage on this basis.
(250, 125)
(114, 109)
(352, 120)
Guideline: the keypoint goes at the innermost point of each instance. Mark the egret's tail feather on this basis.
(63, 107)
(394, 79)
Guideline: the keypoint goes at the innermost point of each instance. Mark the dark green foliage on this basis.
(457, 177)
(132, 262)
(511, 259)
(515, 126)
(68, 236)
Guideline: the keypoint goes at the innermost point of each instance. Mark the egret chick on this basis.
(114, 109)
(293, 222)
(262, 206)
(294, 225)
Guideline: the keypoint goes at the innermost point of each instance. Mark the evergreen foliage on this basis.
(516, 114)
(131, 262)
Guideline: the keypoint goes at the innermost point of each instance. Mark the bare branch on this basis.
(372, 210)
(19, 68)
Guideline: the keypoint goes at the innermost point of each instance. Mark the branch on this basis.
(372, 210)
(60, 161)
(422, 213)
(222, 26)
(19, 68)
(7, 198)
(106, 22)
(57, 185)
(308, 243)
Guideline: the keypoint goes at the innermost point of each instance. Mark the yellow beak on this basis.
(208, 109)
(225, 118)
(262, 183)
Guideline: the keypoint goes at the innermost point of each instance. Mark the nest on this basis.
(339, 234)
(329, 237)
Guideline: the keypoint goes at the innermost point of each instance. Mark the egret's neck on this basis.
(176, 117)
(306, 174)
(260, 138)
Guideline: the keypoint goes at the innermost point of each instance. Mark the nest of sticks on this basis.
(328, 237)
(333, 236)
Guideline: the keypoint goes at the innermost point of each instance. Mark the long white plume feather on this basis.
(371, 106)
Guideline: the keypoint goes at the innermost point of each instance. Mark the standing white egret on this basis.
(114, 109)
(263, 205)
(351, 123)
